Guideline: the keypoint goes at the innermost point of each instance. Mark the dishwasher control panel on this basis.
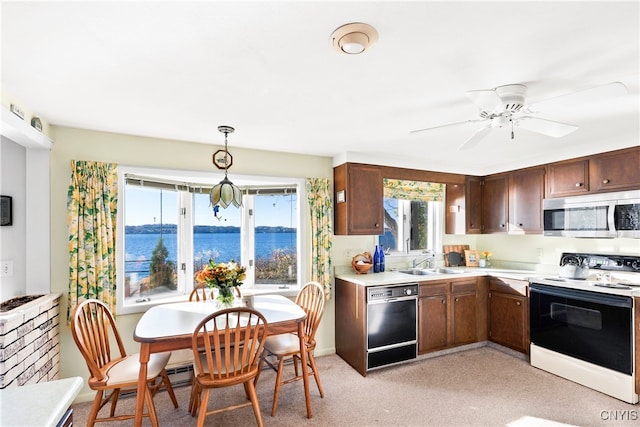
(377, 293)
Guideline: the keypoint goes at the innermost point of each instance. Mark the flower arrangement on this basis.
(484, 262)
(224, 276)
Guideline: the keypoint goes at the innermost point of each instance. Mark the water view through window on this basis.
(159, 250)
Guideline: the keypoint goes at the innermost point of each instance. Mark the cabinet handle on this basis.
(578, 184)
(457, 300)
(517, 302)
(444, 300)
(520, 225)
(501, 225)
(377, 225)
(605, 181)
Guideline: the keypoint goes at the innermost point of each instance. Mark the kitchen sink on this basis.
(430, 271)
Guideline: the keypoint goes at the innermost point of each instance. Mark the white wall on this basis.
(13, 237)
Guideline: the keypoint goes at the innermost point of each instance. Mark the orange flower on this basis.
(222, 275)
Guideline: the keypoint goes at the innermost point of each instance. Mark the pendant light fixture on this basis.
(225, 193)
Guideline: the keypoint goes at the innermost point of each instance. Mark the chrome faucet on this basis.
(430, 259)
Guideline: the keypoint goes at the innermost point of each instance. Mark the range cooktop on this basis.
(608, 273)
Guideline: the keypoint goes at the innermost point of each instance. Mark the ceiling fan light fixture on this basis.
(354, 38)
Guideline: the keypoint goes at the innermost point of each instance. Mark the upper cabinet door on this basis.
(494, 204)
(616, 171)
(358, 199)
(473, 205)
(455, 209)
(569, 178)
(526, 191)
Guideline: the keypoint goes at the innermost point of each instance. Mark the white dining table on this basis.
(170, 327)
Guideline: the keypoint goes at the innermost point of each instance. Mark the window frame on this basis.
(435, 225)
(185, 233)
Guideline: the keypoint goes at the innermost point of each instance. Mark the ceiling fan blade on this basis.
(545, 127)
(486, 100)
(592, 94)
(476, 137)
(448, 125)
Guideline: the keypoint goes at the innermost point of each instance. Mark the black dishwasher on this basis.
(392, 324)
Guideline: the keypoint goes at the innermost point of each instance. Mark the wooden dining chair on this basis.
(226, 346)
(287, 346)
(202, 292)
(110, 368)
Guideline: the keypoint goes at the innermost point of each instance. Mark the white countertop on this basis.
(395, 277)
(41, 404)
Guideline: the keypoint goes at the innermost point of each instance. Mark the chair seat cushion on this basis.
(125, 371)
(282, 344)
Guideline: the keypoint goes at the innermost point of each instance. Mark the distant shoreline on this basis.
(199, 229)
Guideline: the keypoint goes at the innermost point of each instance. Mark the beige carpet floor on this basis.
(478, 387)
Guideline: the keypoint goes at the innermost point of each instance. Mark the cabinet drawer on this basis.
(429, 289)
(509, 286)
(467, 286)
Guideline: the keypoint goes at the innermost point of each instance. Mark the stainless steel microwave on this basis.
(606, 215)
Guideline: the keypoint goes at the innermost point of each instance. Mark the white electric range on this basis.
(583, 329)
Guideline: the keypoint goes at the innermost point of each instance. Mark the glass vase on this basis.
(226, 297)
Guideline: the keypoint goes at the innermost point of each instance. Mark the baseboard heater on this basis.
(179, 376)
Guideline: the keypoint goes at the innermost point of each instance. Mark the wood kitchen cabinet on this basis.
(448, 313)
(455, 210)
(463, 312)
(615, 171)
(612, 171)
(526, 192)
(473, 204)
(351, 326)
(570, 178)
(509, 313)
(495, 204)
(433, 316)
(358, 199)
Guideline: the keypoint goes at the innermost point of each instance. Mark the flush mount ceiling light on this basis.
(353, 38)
(225, 193)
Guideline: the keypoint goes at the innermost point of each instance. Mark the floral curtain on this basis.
(91, 219)
(321, 210)
(413, 190)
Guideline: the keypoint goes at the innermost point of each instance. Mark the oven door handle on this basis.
(596, 298)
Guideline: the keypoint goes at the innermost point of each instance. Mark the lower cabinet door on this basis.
(464, 323)
(507, 320)
(432, 327)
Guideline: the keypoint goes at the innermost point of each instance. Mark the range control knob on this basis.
(408, 291)
(635, 265)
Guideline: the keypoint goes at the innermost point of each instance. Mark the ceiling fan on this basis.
(505, 106)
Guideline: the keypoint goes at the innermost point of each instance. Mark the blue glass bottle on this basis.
(376, 260)
(381, 257)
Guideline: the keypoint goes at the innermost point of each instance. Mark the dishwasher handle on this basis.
(388, 300)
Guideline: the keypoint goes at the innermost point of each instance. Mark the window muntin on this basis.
(269, 204)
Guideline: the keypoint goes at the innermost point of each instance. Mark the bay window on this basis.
(168, 230)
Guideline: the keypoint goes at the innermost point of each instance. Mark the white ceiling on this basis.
(177, 70)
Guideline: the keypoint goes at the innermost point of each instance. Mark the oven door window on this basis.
(593, 327)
